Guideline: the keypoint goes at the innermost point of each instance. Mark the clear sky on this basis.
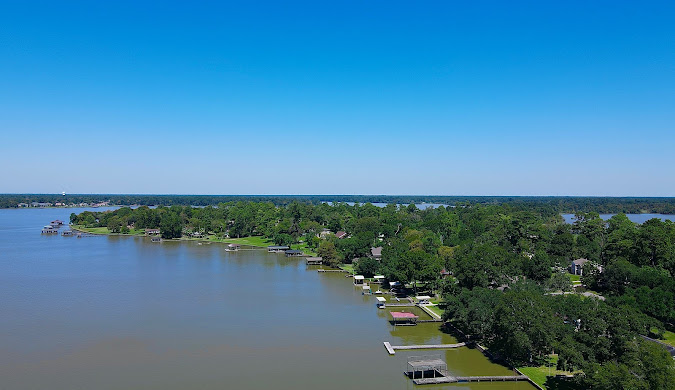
(340, 97)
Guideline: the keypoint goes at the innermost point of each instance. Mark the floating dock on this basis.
(465, 379)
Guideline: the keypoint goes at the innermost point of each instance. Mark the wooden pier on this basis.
(392, 348)
(465, 379)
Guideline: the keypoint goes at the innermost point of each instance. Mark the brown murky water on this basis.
(125, 313)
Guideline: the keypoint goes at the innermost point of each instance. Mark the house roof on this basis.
(358, 277)
(376, 251)
(580, 261)
(340, 234)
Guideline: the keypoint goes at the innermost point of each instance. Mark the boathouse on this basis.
(430, 366)
(314, 260)
(233, 247)
(56, 223)
(403, 318)
(293, 253)
(49, 229)
(277, 249)
(381, 302)
(359, 280)
(67, 233)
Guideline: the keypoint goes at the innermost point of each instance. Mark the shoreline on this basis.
(247, 241)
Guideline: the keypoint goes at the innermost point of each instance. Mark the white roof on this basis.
(378, 276)
(366, 287)
(381, 299)
(358, 277)
(394, 283)
(423, 297)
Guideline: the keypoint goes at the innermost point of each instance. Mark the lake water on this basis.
(637, 218)
(115, 312)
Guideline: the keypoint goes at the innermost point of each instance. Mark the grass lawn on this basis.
(104, 230)
(251, 241)
(539, 374)
(96, 230)
(347, 267)
(669, 338)
(436, 310)
(575, 278)
(303, 247)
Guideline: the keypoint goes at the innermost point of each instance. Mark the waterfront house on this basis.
(277, 248)
(196, 235)
(376, 253)
(22, 205)
(293, 253)
(577, 266)
(233, 247)
(151, 232)
(56, 223)
(325, 233)
(341, 234)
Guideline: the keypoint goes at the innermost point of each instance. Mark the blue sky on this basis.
(376, 97)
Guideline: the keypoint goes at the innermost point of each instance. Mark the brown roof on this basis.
(341, 234)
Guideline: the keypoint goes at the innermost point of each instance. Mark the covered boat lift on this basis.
(381, 302)
(403, 318)
(429, 366)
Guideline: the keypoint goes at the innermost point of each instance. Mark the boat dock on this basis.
(392, 348)
(466, 379)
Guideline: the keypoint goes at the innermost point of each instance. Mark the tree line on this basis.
(559, 203)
